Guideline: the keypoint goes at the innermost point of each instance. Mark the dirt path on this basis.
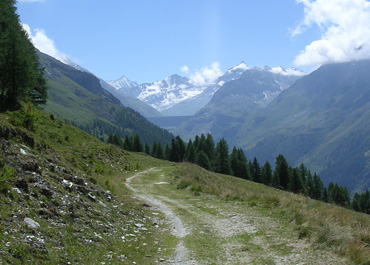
(177, 227)
(214, 231)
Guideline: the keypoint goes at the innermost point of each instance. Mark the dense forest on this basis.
(204, 152)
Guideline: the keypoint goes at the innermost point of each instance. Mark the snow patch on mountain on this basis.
(122, 83)
(287, 71)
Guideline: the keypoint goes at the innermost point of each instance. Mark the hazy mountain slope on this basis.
(230, 105)
(132, 102)
(322, 120)
(78, 96)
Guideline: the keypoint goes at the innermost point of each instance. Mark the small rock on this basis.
(31, 223)
(23, 152)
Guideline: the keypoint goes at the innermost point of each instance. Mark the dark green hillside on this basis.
(323, 120)
(78, 97)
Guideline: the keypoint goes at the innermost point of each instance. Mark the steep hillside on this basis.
(323, 121)
(78, 97)
(229, 106)
(62, 200)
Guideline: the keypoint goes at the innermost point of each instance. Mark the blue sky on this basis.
(148, 40)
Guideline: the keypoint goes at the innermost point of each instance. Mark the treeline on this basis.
(204, 152)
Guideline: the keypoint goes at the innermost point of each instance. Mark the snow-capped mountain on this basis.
(160, 95)
(192, 105)
(179, 96)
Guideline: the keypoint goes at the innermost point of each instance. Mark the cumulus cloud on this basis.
(345, 27)
(185, 69)
(44, 44)
(206, 75)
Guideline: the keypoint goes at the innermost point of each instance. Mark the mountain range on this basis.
(320, 119)
(179, 96)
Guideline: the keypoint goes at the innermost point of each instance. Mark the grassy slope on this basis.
(83, 224)
(321, 225)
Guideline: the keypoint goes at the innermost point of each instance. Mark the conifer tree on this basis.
(281, 171)
(154, 149)
(174, 152)
(222, 164)
(138, 147)
(159, 152)
(266, 173)
(295, 183)
(190, 152)
(256, 171)
(202, 160)
(21, 77)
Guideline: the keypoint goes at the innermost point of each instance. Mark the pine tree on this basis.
(181, 148)
(154, 149)
(281, 171)
(295, 183)
(190, 152)
(159, 152)
(266, 173)
(202, 160)
(174, 152)
(256, 171)
(21, 78)
(222, 164)
(210, 150)
(138, 147)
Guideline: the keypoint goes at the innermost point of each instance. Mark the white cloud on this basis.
(185, 69)
(206, 75)
(44, 44)
(345, 26)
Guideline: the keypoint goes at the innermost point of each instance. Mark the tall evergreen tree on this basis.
(181, 148)
(281, 171)
(266, 173)
(21, 77)
(174, 152)
(256, 171)
(295, 183)
(190, 155)
(159, 152)
(222, 164)
(154, 149)
(137, 146)
(210, 149)
(202, 160)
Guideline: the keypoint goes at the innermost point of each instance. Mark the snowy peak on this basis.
(240, 68)
(122, 83)
(166, 93)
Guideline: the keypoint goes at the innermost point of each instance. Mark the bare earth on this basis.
(214, 231)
